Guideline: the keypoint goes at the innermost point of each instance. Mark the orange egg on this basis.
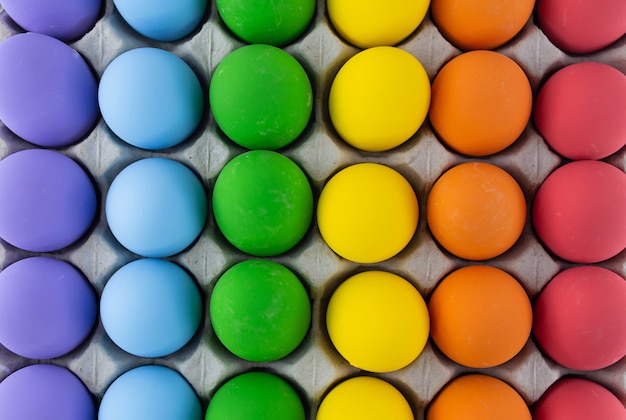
(478, 397)
(481, 103)
(480, 24)
(480, 316)
(476, 211)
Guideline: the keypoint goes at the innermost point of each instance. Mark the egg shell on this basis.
(156, 207)
(477, 396)
(367, 212)
(580, 318)
(261, 97)
(275, 23)
(65, 20)
(370, 23)
(476, 210)
(578, 399)
(377, 321)
(52, 206)
(150, 307)
(255, 396)
(580, 111)
(150, 98)
(262, 203)
(162, 20)
(364, 398)
(481, 24)
(149, 392)
(45, 391)
(480, 316)
(582, 27)
(260, 310)
(481, 103)
(49, 93)
(579, 212)
(47, 307)
(379, 98)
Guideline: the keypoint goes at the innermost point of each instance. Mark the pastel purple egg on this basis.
(63, 19)
(48, 200)
(49, 93)
(45, 392)
(47, 308)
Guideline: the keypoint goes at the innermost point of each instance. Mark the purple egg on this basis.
(47, 308)
(45, 392)
(48, 200)
(49, 94)
(62, 19)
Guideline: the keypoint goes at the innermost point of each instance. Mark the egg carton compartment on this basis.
(315, 366)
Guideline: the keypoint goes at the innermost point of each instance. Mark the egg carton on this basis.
(315, 366)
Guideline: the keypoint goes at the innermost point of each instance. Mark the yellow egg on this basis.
(372, 23)
(364, 398)
(379, 98)
(378, 321)
(367, 213)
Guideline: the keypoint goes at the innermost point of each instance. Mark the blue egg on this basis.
(150, 393)
(162, 20)
(150, 308)
(150, 98)
(156, 207)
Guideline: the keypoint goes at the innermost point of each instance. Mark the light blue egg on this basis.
(156, 207)
(162, 20)
(150, 308)
(150, 98)
(150, 393)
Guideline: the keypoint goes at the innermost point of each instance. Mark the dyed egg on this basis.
(156, 207)
(377, 321)
(261, 97)
(370, 23)
(45, 391)
(150, 307)
(62, 19)
(481, 103)
(480, 24)
(162, 20)
(379, 98)
(49, 94)
(582, 26)
(578, 399)
(579, 111)
(255, 396)
(480, 316)
(48, 201)
(263, 203)
(580, 318)
(47, 308)
(579, 212)
(266, 22)
(150, 392)
(477, 396)
(150, 98)
(476, 211)
(367, 213)
(259, 310)
(364, 398)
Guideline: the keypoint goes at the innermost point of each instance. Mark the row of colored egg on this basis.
(153, 391)
(579, 27)
(376, 320)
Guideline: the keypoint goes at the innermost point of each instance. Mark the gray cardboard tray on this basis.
(315, 366)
